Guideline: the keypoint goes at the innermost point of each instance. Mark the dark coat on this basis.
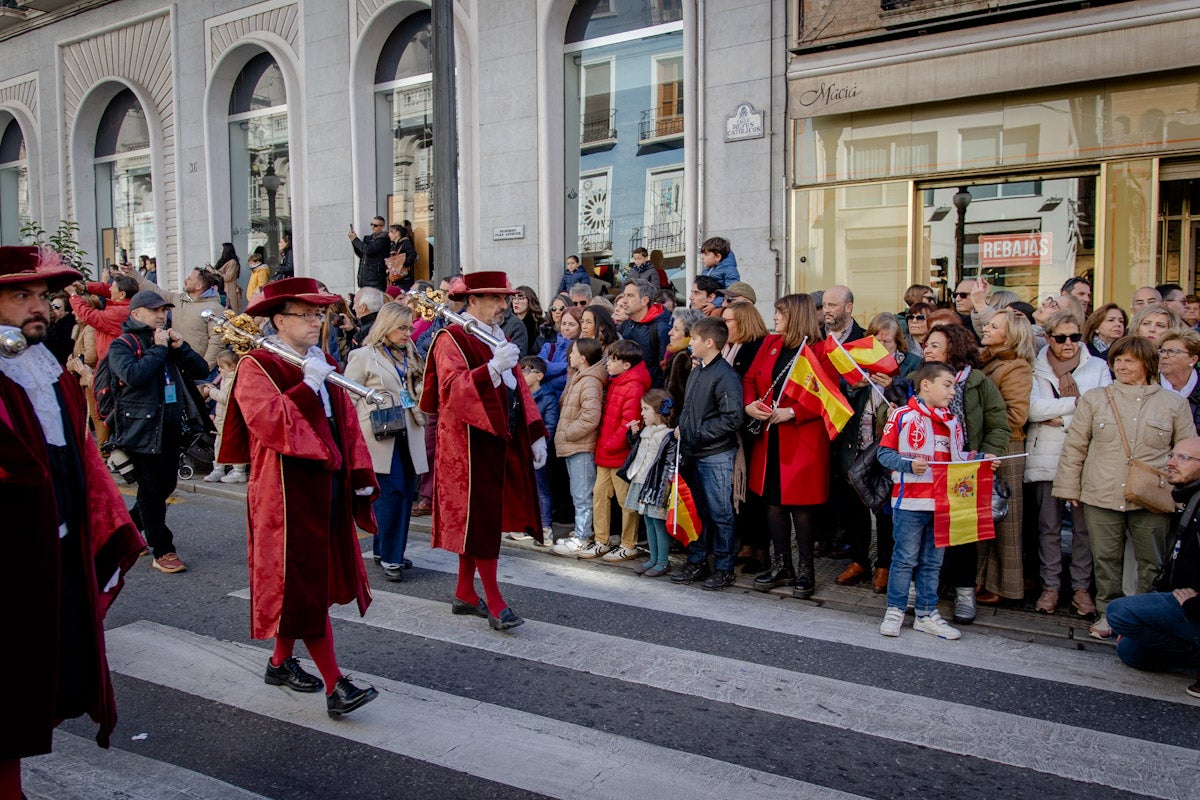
(1194, 403)
(371, 250)
(653, 333)
(656, 485)
(569, 279)
(514, 329)
(712, 410)
(287, 265)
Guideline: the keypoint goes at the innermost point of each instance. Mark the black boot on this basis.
(805, 580)
(780, 574)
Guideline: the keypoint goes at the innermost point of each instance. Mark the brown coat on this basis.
(581, 409)
(230, 271)
(1013, 376)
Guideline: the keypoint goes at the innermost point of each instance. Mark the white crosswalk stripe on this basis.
(448, 730)
(1093, 757)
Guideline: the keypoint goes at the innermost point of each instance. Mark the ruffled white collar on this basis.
(36, 371)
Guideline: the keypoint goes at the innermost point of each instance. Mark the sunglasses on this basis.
(558, 309)
(56, 307)
(962, 295)
(1063, 338)
(582, 303)
(917, 317)
(376, 225)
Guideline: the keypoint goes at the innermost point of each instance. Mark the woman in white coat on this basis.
(1062, 372)
(388, 362)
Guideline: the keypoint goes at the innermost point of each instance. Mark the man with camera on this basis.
(152, 367)
(68, 539)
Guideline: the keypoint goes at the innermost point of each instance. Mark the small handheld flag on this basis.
(870, 354)
(811, 388)
(844, 363)
(962, 504)
(683, 518)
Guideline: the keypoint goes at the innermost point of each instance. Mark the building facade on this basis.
(589, 127)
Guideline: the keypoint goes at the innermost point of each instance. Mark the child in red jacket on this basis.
(628, 381)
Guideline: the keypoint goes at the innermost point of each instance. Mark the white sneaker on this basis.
(621, 554)
(912, 598)
(518, 536)
(547, 537)
(892, 620)
(569, 546)
(236, 475)
(218, 472)
(594, 550)
(934, 624)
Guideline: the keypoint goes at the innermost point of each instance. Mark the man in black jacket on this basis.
(155, 367)
(1161, 629)
(371, 250)
(708, 426)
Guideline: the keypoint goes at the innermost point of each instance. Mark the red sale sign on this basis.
(1015, 250)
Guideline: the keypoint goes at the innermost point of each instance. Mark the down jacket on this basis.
(622, 405)
(1045, 442)
(580, 410)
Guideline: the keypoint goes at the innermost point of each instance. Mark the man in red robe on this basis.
(490, 439)
(68, 539)
(311, 480)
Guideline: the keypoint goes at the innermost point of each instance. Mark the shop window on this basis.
(404, 132)
(259, 160)
(623, 134)
(124, 184)
(14, 183)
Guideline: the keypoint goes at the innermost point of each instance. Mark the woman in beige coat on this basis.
(230, 269)
(575, 438)
(1093, 468)
(388, 362)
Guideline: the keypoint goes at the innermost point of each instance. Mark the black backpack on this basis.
(103, 382)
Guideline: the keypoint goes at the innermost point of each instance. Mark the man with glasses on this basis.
(1160, 630)
(311, 483)
(371, 250)
(581, 295)
(1172, 297)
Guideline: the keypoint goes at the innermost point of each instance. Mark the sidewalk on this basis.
(1020, 623)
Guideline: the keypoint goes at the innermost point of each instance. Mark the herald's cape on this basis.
(33, 552)
(303, 548)
(484, 481)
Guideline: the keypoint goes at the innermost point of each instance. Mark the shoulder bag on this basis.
(1144, 485)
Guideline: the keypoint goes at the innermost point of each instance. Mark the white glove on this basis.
(505, 358)
(539, 453)
(315, 372)
(366, 491)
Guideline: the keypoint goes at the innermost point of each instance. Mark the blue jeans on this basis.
(581, 474)
(543, 487)
(658, 540)
(1155, 632)
(711, 481)
(393, 507)
(914, 551)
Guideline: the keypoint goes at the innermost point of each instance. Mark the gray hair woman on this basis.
(678, 362)
(388, 362)
(1178, 355)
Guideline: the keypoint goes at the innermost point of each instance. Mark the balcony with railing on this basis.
(664, 236)
(596, 239)
(598, 130)
(659, 127)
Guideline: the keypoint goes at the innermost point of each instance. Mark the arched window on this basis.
(124, 186)
(14, 182)
(623, 130)
(259, 164)
(404, 131)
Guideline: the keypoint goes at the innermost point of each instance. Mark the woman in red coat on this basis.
(789, 468)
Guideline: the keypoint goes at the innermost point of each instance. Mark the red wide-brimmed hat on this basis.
(28, 264)
(300, 290)
(493, 282)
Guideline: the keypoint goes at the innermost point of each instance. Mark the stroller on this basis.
(199, 436)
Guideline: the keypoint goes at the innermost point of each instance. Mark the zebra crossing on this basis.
(628, 688)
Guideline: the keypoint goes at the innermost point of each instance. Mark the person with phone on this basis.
(371, 250)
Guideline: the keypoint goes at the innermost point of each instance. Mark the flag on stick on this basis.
(844, 363)
(683, 518)
(962, 505)
(870, 354)
(809, 386)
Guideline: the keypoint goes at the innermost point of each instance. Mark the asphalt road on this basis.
(617, 686)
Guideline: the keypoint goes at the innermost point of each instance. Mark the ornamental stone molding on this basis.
(281, 20)
(21, 92)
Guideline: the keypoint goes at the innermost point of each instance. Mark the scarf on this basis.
(919, 429)
(36, 371)
(1062, 370)
(672, 349)
(1100, 345)
(958, 404)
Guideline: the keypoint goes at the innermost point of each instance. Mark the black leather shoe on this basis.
(774, 578)
(393, 574)
(717, 581)
(378, 560)
(804, 587)
(405, 564)
(506, 620)
(290, 674)
(461, 607)
(691, 573)
(346, 697)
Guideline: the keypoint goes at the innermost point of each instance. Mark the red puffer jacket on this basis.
(622, 405)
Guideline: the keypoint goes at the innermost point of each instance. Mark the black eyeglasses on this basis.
(1063, 338)
(307, 316)
(376, 224)
(916, 317)
(962, 295)
(582, 303)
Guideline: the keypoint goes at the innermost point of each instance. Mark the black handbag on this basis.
(389, 422)
(870, 479)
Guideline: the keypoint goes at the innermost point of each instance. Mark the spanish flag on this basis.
(809, 386)
(872, 356)
(683, 518)
(844, 363)
(962, 504)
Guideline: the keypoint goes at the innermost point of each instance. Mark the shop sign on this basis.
(508, 232)
(827, 93)
(1015, 250)
(746, 123)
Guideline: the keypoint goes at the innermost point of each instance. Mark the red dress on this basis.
(483, 481)
(789, 462)
(303, 548)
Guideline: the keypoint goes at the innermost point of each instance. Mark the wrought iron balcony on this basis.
(655, 125)
(597, 128)
(664, 236)
(596, 238)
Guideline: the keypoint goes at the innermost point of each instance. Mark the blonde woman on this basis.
(1155, 323)
(388, 362)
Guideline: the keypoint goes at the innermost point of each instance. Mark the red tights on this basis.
(486, 567)
(10, 779)
(321, 650)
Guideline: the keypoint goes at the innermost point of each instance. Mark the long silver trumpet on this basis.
(242, 334)
(433, 304)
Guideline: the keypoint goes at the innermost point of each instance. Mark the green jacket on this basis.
(987, 416)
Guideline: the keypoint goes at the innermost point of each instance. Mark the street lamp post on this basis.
(270, 182)
(962, 199)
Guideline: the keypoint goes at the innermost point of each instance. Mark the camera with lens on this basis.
(118, 461)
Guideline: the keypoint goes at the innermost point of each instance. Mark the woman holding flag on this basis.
(784, 389)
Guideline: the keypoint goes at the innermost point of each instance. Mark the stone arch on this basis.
(18, 101)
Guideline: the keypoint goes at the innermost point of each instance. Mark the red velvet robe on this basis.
(303, 551)
(484, 482)
(29, 593)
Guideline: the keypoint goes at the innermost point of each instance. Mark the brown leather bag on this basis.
(1144, 485)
